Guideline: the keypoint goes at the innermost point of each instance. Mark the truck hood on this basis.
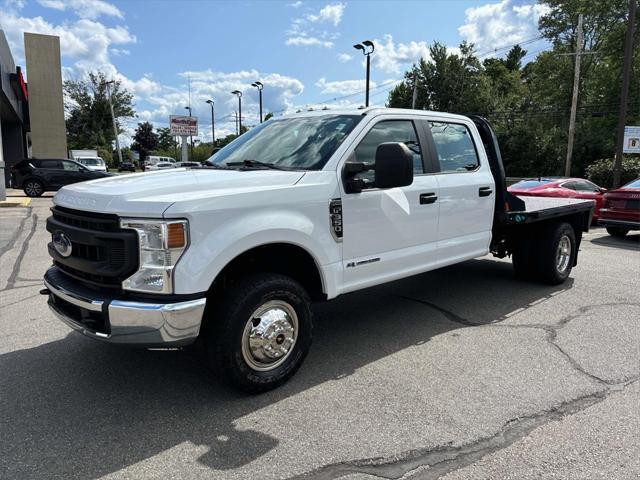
(149, 194)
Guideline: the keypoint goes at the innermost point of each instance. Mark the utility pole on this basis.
(415, 91)
(574, 98)
(113, 119)
(624, 95)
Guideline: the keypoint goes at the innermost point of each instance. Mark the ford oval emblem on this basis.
(62, 244)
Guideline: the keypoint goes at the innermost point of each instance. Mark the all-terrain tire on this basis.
(617, 231)
(228, 321)
(555, 253)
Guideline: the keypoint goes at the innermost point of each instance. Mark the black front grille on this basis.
(98, 222)
(102, 254)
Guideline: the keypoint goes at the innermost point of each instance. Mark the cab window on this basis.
(401, 131)
(455, 147)
(48, 163)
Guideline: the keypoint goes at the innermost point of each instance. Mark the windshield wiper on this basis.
(255, 163)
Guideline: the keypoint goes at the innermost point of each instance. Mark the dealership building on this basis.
(31, 104)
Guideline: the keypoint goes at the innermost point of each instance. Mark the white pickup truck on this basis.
(301, 208)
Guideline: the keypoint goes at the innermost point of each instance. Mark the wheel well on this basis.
(283, 258)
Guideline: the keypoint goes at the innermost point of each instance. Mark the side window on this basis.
(569, 185)
(49, 164)
(401, 131)
(585, 187)
(456, 150)
(70, 166)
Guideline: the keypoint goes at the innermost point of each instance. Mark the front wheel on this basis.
(260, 333)
(617, 231)
(33, 188)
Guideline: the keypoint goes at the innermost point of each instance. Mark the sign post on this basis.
(183, 127)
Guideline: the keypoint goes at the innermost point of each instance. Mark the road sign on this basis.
(631, 140)
(180, 125)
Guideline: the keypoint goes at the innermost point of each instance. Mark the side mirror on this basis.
(394, 165)
(603, 190)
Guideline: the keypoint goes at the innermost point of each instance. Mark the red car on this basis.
(621, 210)
(561, 187)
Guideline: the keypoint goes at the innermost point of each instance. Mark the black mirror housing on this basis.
(394, 165)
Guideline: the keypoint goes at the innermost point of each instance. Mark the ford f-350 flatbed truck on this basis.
(301, 208)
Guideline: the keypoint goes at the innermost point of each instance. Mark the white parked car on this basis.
(95, 164)
(299, 209)
(155, 159)
(187, 164)
(161, 166)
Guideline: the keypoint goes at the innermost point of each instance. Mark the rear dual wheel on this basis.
(548, 256)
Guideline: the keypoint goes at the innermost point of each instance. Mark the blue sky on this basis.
(301, 50)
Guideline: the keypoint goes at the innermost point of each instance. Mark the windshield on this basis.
(633, 184)
(90, 161)
(530, 183)
(304, 143)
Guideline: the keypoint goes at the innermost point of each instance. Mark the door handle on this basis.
(426, 198)
(485, 191)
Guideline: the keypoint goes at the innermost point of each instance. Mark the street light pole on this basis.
(213, 124)
(259, 86)
(238, 93)
(367, 48)
(113, 119)
(190, 136)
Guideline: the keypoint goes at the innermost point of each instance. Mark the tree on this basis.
(166, 141)
(89, 123)
(144, 140)
(268, 116)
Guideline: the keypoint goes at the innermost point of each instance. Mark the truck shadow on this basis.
(75, 408)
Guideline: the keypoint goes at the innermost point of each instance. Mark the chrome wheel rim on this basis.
(563, 254)
(32, 189)
(269, 335)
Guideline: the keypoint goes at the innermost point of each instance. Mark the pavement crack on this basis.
(449, 315)
(17, 233)
(23, 249)
(436, 462)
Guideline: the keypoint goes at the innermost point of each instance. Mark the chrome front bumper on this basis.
(122, 321)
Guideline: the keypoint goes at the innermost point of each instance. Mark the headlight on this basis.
(161, 244)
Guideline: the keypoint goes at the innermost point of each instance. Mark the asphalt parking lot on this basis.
(461, 373)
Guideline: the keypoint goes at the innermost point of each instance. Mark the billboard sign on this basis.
(631, 140)
(183, 126)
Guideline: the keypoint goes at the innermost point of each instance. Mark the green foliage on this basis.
(89, 123)
(107, 156)
(145, 140)
(600, 172)
(166, 141)
(529, 105)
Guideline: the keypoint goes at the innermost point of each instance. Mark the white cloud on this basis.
(119, 52)
(329, 13)
(343, 87)
(84, 8)
(295, 4)
(316, 29)
(308, 41)
(495, 25)
(394, 57)
(344, 57)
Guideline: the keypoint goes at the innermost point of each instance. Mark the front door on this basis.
(390, 233)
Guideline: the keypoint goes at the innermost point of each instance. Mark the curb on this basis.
(23, 202)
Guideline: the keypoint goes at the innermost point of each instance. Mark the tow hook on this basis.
(45, 291)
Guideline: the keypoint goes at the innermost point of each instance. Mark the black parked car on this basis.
(38, 175)
(127, 167)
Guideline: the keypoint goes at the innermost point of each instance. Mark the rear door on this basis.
(49, 170)
(467, 189)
